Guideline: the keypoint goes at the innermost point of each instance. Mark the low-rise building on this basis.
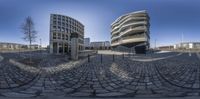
(165, 48)
(34, 46)
(101, 45)
(10, 46)
(16, 46)
(187, 45)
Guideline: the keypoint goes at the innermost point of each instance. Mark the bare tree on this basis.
(30, 34)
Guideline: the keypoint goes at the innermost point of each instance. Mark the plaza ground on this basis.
(108, 74)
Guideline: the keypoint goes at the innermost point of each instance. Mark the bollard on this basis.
(113, 57)
(88, 58)
(101, 58)
(94, 92)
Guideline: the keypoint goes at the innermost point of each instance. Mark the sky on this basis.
(169, 19)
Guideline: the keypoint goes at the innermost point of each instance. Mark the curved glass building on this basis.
(131, 31)
(61, 28)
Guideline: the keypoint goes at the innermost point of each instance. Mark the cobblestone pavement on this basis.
(121, 76)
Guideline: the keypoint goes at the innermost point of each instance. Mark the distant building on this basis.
(187, 45)
(34, 46)
(107, 43)
(10, 46)
(182, 46)
(166, 47)
(131, 31)
(61, 28)
(86, 42)
(101, 45)
(16, 46)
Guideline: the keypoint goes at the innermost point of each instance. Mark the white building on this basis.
(131, 31)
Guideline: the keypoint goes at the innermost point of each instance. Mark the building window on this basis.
(63, 37)
(54, 27)
(54, 22)
(66, 37)
(63, 29)
(59, 23)
(59, 35)
(54, 35)
(63, 24)
(59, 28)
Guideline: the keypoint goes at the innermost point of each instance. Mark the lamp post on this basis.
(155, 43)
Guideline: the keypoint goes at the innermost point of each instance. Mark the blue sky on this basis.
(169, 18)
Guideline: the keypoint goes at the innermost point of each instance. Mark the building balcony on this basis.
(133, 31)
(130, 24)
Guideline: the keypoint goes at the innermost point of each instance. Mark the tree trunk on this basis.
(30, 60)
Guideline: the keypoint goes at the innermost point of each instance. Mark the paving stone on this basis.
(176, 94)
(80, 94)
(193, 94)
(17, 95)
(111, 94)
(101, 91)
(68, 90)
(196, 85)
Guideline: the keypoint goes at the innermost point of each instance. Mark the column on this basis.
(74, 46)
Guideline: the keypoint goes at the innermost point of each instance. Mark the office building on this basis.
(61, 28)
